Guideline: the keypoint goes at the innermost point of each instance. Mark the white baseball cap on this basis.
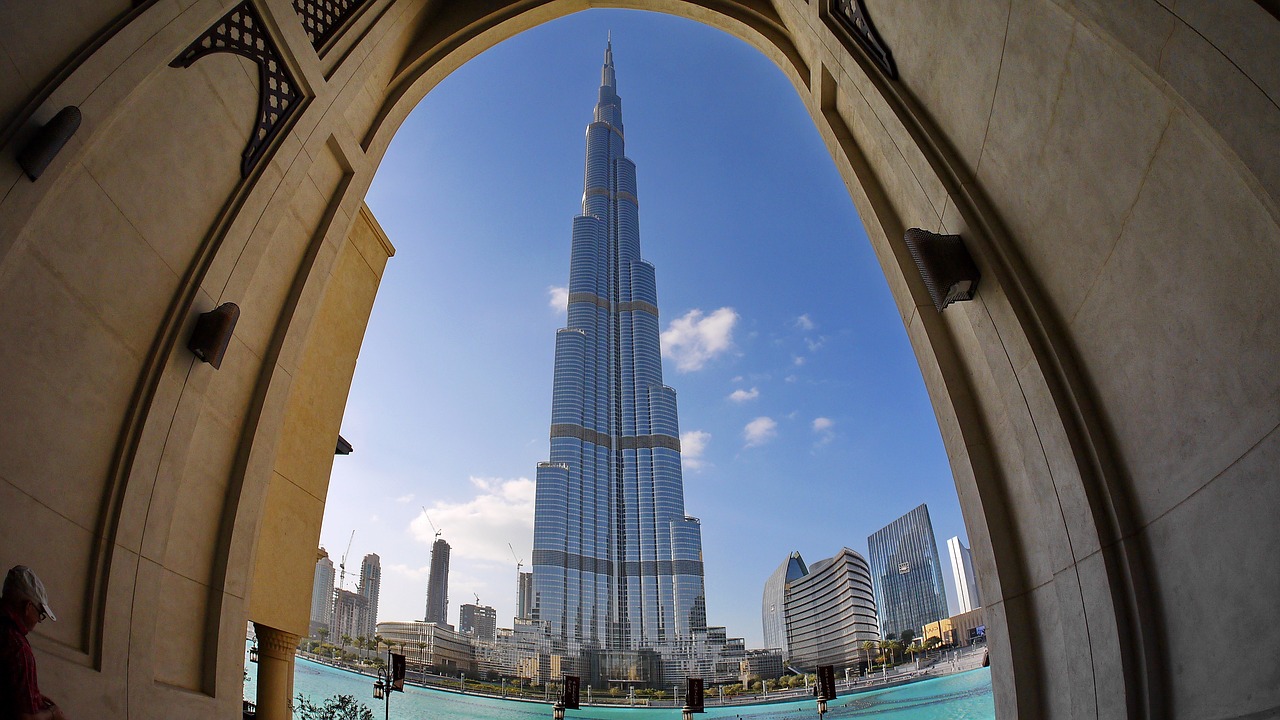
(22, 581)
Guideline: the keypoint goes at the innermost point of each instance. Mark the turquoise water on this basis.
(966, 696)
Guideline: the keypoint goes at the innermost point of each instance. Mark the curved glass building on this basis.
(773, 607)
(617, 565)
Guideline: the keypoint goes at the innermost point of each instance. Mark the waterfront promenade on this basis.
(964, 695)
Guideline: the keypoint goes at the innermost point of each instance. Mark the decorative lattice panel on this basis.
(852, 14)
(242, 32)
(323, 18)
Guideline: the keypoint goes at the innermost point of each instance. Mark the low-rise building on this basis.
(428, 647)
(957, 630)
(760, 665)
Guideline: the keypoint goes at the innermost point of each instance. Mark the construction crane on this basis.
(342, 565)
(477, 599)
(519, 562)
(433, 525)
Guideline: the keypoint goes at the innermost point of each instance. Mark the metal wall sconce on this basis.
(213, 333)
(48, 141)
(253, 653)
(948, 271)
(344, 447)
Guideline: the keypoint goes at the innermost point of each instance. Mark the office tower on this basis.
(438, 584)
(907, 574)
(773, 611)
(478, 620)
(831, 611)
(322, 594)
(820, 614)
(524, 595)
(962, 573)
(370, 583)
(617, 565)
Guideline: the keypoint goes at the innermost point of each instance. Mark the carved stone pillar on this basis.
(275, 672)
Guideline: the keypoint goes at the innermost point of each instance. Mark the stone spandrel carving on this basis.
(323, 18)
(242, 32)
(853, 16)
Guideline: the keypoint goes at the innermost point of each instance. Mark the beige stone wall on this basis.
(284, 563)
(1108, 401)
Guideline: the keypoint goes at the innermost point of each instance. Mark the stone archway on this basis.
(1108, 400)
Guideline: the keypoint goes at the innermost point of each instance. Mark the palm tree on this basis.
(346, 642)
(868, 647)
(891, 647)
(379, 641)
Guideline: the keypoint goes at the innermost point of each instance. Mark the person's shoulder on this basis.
(11, 638)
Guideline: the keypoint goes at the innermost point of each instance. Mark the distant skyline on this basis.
(805, 425)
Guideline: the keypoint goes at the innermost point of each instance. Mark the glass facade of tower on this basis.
(370, 586)
(907, 574)
(962, 574)
(616, 563)
(773, 606)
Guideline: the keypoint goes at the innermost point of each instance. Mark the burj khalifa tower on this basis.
(617, 565)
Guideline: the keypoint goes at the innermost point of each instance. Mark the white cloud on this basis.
(824, 427)
(692, 444)
(558, 298)
(741, 395)
(480, 528)
(804, 322)
(737, 379)
(418, 573)
(797, 360)
(405, 499)
(815, 345)
(760, 431)
(695, 339)
(790, 378)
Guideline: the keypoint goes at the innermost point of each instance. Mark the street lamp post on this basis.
(382, 691)
(384, 684)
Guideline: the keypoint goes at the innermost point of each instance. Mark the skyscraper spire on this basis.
(607, 78)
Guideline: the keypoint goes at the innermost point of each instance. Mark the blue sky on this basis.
(804, 418)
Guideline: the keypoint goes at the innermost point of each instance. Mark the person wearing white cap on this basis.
(23, 605)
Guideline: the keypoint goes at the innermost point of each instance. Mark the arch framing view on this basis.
(1108, 400)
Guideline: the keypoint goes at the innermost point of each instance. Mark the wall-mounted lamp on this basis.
(213, 333)
(946, 267)
(48, 141)
(344, 447)
(253, 652)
